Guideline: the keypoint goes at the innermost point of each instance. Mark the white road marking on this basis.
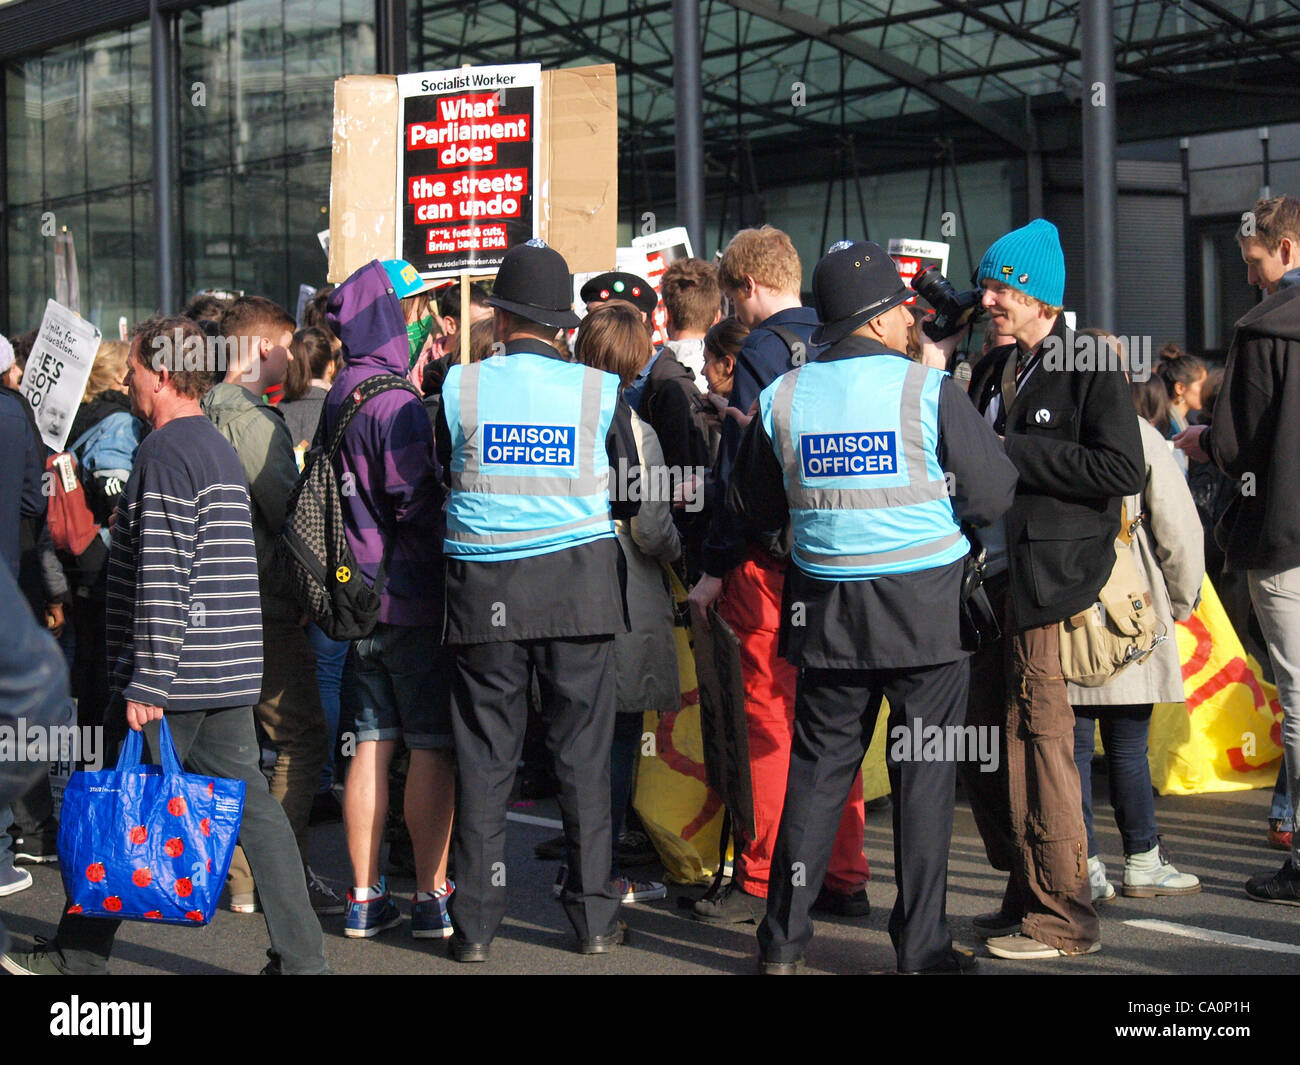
(529, 819)
(1211, 936)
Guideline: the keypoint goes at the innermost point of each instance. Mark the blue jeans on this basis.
(330, 657)
(1124, 736)
(6, 840)
(1281, 809)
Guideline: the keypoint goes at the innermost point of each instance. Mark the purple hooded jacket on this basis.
(388, 451)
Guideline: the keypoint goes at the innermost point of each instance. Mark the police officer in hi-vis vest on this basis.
(528, 443)
(874, 461)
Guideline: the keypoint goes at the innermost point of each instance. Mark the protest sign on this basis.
(661, 250)
(574, 181)
(55, 377)
(467, 166)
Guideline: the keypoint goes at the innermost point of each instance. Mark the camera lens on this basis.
(933, 287)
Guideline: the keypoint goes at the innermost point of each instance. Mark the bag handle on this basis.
(133, 750)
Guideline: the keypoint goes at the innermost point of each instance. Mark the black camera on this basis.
(953, 310)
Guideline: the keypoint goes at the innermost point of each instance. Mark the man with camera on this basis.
(874, 461)
(1073, 437)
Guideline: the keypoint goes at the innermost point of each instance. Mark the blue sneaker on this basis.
(430, 919)
(369, 918)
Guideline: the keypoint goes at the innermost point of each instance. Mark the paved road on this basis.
(1218, 837)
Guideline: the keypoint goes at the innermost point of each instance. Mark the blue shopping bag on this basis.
(148, 842)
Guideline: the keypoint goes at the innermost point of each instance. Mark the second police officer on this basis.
(874, 461)
(529, 442)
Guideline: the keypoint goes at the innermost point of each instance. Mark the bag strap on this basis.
(368, 389)
(133, 750)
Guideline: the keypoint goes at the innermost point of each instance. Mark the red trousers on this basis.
(751, 605)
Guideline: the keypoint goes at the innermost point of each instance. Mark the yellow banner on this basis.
(1227, 735)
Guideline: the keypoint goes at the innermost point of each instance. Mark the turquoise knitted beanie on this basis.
(1029, 259)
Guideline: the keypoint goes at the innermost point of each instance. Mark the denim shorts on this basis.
(398, 685)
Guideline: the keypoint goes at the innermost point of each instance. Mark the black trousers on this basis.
(834, 718)
(489, 716)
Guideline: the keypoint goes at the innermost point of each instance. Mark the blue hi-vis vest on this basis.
(529, 469)
(857, 440)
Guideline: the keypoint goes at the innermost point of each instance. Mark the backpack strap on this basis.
(368, 389)
(790, 338)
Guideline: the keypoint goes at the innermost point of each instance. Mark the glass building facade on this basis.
(255, 111)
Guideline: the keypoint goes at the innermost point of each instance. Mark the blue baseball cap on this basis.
(404, 278)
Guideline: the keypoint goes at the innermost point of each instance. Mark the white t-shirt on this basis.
(690, 353)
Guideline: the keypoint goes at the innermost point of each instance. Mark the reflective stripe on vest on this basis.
(495, 514)
(920, 531)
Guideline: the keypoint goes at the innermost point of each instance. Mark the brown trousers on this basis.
(290, 713)
(1030, 812)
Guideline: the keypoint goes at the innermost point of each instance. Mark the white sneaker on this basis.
(1102, 889)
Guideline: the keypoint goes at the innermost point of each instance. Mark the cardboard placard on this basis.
(54, 379)
(576, 180)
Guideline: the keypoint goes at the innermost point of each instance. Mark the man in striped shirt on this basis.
(185, 638)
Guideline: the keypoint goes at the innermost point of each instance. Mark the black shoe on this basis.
(634, 848)
(550, 850)
(604, 944)
(779, 968)
(37, 848)
(840, 905)
(959, 960)
(272, 967)
(732, 905)
(325, 809)
(1281, 887)
(993, 925)
(461, 949)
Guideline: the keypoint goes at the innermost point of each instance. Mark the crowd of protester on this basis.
(368, 732)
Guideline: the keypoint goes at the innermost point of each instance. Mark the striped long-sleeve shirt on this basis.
(183, 615)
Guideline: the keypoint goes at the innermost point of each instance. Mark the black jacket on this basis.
(895, 621)
(1073, 437)
(674, 409)
(1255, 437)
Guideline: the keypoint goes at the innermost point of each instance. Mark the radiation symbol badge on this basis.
(343, 575)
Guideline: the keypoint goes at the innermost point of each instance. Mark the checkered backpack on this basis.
(312, 550)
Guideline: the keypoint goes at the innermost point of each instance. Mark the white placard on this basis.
(54, 379)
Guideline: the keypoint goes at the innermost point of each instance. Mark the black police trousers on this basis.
(834, 719)
(489, 715)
